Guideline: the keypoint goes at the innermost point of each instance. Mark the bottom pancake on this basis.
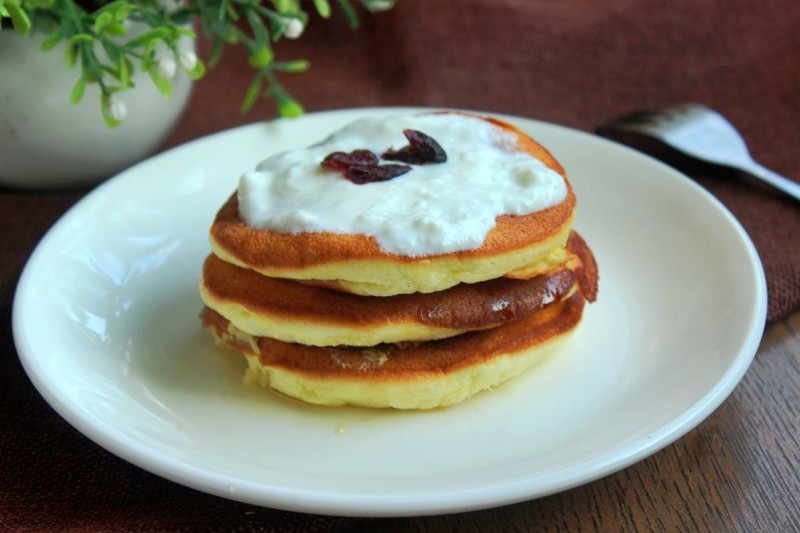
(422, 375)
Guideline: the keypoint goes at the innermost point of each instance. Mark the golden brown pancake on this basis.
(417, 376)
(294, 312)
(357, 264)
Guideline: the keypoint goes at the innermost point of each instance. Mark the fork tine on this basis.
(634, 121)
(650, 121)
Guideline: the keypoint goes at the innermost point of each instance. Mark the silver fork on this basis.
(700, 133)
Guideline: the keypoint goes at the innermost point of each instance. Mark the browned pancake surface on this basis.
(390, 362)
(465, 306)
(586, 271)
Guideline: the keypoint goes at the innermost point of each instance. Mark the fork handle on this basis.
(773, 178)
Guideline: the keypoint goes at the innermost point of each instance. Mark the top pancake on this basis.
(355, 263)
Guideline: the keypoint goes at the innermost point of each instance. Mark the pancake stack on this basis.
(338, 317)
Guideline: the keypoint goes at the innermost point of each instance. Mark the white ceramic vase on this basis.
(46, 142)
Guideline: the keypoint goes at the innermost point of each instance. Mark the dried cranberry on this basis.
(361, 166)
(361, 174)
(343, 160)
(421, 149)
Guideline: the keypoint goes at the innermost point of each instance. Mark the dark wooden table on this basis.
(575, 63)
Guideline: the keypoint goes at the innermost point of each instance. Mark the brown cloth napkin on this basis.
(573, 62)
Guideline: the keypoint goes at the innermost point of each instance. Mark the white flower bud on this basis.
(293, 28)
(167, 67)
(187, 59)
(116, 109)
(381, 5)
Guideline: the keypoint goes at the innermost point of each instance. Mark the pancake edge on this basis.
(412, 390)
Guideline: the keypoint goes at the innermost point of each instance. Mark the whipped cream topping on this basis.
(434, 209)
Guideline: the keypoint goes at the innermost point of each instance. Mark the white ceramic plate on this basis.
(105, 321)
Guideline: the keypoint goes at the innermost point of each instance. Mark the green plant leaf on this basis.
(289, 107)
(102, 20)
(184, 30)
(198, 71)
(349, 13)
(232, 13)
(52, 41)
(260, 32)
(19, 18)
(71, 55)
(161, 83)
(150, 47)
(123, 74)
(111, 7)
(297, 65)
(130, 67)
(225, 30)
(222, 9)
(216, 51)
(124, 11)
(77, 91)
(113, 51)
(252, 94)
(110, 122)
(286, 6)
(80, 38)
(116, 29)
(38, 4)
(118, 89)
(146, 37)
(323, 8)
(261, 58)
